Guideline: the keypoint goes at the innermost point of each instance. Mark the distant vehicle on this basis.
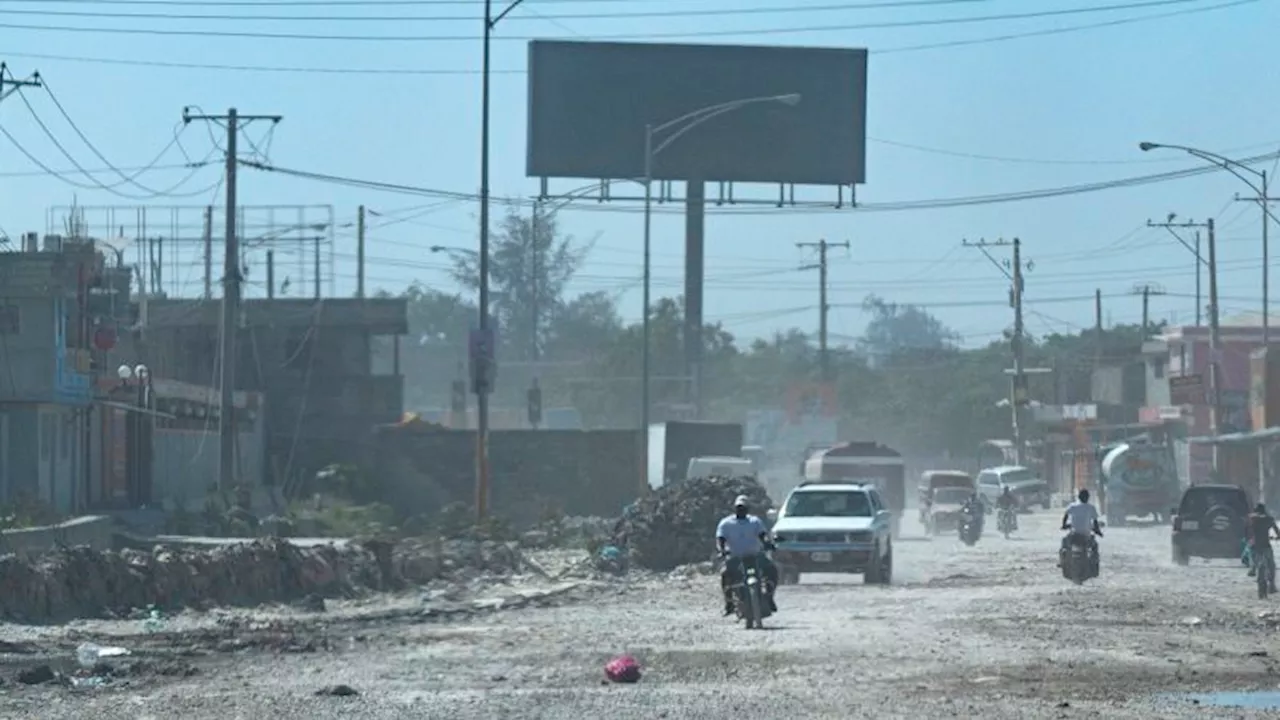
(720, 466)
(833, 527)
(1209, 522)
(1023, 484)
(1139, 479)
(933, 480)
(947, 508)
(754, 453)
(673, 444)
(864, 462)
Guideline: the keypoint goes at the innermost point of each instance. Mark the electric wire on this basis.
(296, 69)
(883, 25)
(171, 191)
(889, 206)
(626, 15)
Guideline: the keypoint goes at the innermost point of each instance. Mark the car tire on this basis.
(880, 572)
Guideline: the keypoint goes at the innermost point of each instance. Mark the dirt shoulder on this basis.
(991, 630)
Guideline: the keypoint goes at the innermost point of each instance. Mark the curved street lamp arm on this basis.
(716, 109)
(695, 122)
(1231, 166)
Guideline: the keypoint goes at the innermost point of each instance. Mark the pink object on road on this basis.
(623, 669)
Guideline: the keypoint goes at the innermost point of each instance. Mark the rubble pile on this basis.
(80, 582)
(676, 524)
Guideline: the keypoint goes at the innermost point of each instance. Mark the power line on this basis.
(883, 25)
(1048, 161)
(129, 179)
(627, 15)
(930, 204)
(277, 69)
(875, 5)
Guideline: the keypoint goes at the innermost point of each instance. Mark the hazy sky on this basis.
(1049, 110)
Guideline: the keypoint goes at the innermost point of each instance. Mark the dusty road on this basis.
(990, 631)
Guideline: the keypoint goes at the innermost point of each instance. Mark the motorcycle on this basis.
(1264, 571)
(970, 529)
(1077, 565)
(1007, 521)
(751, 592)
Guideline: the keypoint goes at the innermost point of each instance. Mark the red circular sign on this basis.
(104, 338)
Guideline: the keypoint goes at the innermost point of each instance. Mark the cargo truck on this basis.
(673, 444)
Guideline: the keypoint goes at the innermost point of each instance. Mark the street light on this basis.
(1234, 167)
(679, 126)
(451, 249)
(482, 397)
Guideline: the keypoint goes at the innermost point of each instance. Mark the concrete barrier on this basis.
(96, 531)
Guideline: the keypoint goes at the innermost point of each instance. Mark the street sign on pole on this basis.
(482, 356)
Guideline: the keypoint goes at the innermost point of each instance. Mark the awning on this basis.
(135, 408)
(1271, 434)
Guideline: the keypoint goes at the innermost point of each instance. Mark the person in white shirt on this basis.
(1081, 522)
(738, 537)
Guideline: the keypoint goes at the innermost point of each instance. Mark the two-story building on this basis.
(47, 325)
(311, 361)
(1178, 387)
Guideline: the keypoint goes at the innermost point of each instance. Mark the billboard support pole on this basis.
(644, 322)
(694, 275)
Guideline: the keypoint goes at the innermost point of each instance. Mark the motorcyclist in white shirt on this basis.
(1081, 520)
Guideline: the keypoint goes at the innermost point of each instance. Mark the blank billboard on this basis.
(589, 103)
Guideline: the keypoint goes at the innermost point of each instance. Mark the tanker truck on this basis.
(1139, 479)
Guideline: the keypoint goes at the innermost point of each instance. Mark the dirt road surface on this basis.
(989, 631)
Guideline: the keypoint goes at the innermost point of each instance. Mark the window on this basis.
(1019, 475)
(1157, 368)
(987, 478)
(829, 504)
(10, 320)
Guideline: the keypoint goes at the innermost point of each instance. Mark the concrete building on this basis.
(1178, 390)
(56, 300)
(310, 360)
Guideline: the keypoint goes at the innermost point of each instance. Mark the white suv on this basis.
(833, 527)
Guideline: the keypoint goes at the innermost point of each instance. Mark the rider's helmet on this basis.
(1084, 496)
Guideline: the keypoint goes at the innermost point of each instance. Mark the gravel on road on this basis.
(991, 630)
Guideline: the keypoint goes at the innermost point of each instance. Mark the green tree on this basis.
(530, 267)
(894, 328)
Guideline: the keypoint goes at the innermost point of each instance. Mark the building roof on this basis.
(380, 316)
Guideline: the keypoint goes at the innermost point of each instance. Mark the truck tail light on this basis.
(1177, 523)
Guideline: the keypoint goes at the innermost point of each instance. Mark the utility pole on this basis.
(360, 252)
(1215, 377)
(1019, 396)
(208, 252)
(1172, 227)
(230, 296)
(1097, 328)
(9, 84)
(824, 307)
(534, 273)
(1146, 290)
(1264, 201)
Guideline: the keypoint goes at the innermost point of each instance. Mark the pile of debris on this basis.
(676, 525)
(83, 583)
